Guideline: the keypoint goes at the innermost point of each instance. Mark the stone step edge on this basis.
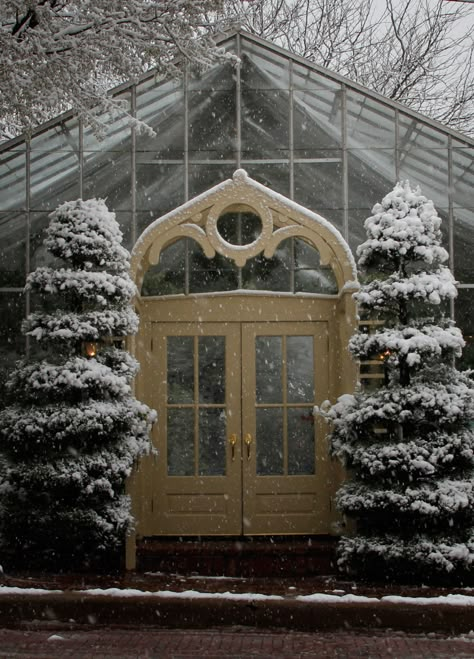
(178, 610)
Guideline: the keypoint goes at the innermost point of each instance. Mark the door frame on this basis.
(281, 219)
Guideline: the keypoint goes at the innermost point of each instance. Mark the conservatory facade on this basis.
(241, 214)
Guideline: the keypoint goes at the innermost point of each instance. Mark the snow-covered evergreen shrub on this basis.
(408, 445)
(73, 430)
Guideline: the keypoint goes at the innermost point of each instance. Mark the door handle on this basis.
(248, 441)
(233, 442)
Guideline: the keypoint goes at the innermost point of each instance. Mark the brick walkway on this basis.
(229, 643)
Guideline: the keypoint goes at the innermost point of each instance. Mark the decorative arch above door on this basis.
(203, 220)
(235, 371)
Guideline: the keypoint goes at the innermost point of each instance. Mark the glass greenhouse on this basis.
(306, 133)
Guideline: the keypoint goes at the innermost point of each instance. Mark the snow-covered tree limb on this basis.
(61, 54)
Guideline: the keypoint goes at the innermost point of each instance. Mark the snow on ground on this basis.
(452, 599)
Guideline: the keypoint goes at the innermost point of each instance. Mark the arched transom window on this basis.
(184, 267)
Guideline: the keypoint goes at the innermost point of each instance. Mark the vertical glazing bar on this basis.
(81, 159)
(238, 108)
(291, 135)
(397, 147)
(28, 229)
(239, 242)
(284, 375)
(186, 132)
(292, 265)
(451, 214)
(186, 170)
(186, 266)
(345, 168)
(196, 405)
(133, 182)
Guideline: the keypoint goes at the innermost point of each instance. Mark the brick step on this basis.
(238, 557)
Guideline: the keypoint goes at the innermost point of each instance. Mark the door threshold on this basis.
(241, 556)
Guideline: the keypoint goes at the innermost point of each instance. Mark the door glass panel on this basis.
(299, 355)
(269, 441)
(300, 441)
(268, 356)
(180, 369)
(180, 442)
(212, 433)
(211, 369)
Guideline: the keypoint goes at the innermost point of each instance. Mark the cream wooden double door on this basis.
(239, 451)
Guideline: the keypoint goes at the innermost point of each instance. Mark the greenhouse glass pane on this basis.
(12, 250)
(369, 122)
(273, 274)
(63, 136)
(12, 341)
(335, 217)
(205, 176)
(321, 281)
(464, 245)
(371, 176)
(108, 175)
(220, 76)
(12, 180)
(319, 185)
(168, 276)
(463, 176)
(115, 134)
(464, 316)
(275, 177)
(357, 233)
(54, 178)
(414, 134)
(427, 168)
(161, 106)
(316, 120)
(444, 215)
(210, 275)
(265, 123)
(305, 78)
(212, 121)
(159, 188)
(239, 228)
(262, 68)
(306, 256)
(124, 218)
(39, 256)
(310, 275)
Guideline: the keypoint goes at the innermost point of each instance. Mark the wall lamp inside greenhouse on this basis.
(90, 348)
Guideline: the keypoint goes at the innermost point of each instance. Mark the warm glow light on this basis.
(90, 349)
(384, 355)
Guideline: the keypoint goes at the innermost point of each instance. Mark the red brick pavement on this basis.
(235, 643)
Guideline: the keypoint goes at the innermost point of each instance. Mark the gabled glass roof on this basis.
(307, 133)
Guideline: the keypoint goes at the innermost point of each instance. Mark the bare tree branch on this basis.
(417, 52)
